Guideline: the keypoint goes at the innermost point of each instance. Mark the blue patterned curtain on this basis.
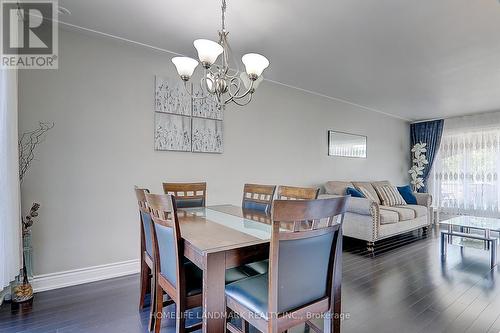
(428, 132)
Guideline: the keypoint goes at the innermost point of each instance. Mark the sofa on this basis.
(369, 220)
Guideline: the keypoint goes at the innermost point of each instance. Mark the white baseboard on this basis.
(84, 275)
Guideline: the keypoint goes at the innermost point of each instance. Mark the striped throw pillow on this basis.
(389, 195)
(367, 194)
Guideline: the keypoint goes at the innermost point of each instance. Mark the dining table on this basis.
(217, 238)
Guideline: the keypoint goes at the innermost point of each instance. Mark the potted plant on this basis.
(22, 290)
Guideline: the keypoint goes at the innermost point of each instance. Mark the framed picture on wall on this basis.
(171, 97)
(172, 132)
(206, 107)
(346, 144)
(207, 135)
(183, 122)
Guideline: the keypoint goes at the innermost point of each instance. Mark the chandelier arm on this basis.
(228, 55)
(234, 97)
(244, 103)
(190, 93)
(236, 82)
(204, 82)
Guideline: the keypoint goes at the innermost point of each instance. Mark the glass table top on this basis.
(483, 223)
(235, 218)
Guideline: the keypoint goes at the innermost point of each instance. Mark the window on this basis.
(464, 179)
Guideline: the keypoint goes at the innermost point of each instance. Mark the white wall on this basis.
(101, 100)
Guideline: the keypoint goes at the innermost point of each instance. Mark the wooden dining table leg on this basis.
(214, 300)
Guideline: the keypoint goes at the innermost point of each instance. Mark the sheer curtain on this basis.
(10, 247)
(465, 175)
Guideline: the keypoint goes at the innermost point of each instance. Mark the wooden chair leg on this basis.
(311, 326)
(159, 309)
(180, 318)
(328, 324)
(145, 282)
(152, 306)
(245, 326)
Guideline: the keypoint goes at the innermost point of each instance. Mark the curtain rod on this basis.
(425, 120)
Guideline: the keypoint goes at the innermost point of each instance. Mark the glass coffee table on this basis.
(459, 233)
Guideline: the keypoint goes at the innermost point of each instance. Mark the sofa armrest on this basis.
(423, 199)
(355, 205)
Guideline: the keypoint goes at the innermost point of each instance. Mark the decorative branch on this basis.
(27, 146)
(31, 217)
(419, 162)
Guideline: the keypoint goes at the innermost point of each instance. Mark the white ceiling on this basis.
(414, 59)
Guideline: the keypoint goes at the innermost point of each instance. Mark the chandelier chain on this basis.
(223, 15)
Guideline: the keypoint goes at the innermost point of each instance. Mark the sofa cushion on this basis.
(404, 213)
(418, 210)
(336, 187)
(407, 194)
(381, 183)
(387, 216)
(367, 194)
(369, 188)
(389, 195)
(354, 193)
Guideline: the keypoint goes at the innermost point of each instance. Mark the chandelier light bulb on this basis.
(254, 64)
(185, 66)
(208, 51)
(247, 82)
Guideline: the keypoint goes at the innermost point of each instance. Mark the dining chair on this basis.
(179, 278)
(146, 244)
(297, 193)
(286, 193)
(191, 195)
(304, 279)
(258, 197)
(187, 195)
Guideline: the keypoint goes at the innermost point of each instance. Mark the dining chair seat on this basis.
(260, 267)
(238, 273)
(232, 275)
(251, 292)
(194, 279)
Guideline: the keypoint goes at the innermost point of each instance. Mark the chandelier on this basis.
(223, 84)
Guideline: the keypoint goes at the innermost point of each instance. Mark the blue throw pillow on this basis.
(354, 192)
(407, 194)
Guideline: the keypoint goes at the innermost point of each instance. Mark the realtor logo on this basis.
(29, 34)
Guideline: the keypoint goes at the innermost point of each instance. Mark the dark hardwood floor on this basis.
(404, 288)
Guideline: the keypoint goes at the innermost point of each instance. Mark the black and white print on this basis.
(206, 107)
(207, 135)
(171, 97)
(172, 132)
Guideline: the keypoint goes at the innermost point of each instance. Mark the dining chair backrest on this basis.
(187, 195)
(146, 222)
(297, 193)
(166, 237)
(258, 197)
(302, 261)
